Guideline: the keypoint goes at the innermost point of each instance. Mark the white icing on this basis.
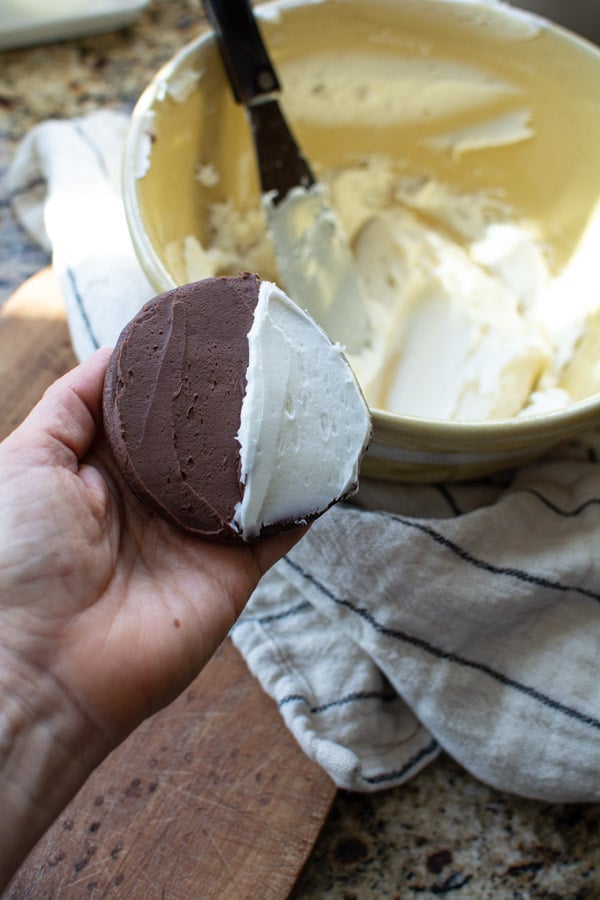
(304, 422)
(407, 91)
(144, 147)
(450, 340)
(207, 175)
(501, 131)
(316, 265)
(468, 320)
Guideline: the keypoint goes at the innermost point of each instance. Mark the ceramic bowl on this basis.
(189, 145)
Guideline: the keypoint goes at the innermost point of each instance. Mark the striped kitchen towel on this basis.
(65, 187)
(463, 618)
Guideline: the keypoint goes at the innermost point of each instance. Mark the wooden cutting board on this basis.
(212, 797)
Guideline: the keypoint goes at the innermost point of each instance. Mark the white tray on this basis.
(28, 22)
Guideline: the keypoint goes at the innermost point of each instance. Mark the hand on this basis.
(106, 611)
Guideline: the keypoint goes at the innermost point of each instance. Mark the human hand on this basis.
(106, 611)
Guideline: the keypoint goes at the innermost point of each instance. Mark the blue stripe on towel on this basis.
(431, 649)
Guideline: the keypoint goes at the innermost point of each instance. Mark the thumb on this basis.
(66, 420)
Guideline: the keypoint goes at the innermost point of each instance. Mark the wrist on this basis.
(48, 748)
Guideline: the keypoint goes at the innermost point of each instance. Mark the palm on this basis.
(121, 608)
(162, 597)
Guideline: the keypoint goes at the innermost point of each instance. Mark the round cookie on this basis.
(230, 413)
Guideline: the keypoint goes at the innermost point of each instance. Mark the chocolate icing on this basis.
(172, 402)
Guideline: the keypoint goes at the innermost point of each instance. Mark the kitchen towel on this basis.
(463, 618)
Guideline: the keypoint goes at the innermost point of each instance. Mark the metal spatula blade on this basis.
(312, 253)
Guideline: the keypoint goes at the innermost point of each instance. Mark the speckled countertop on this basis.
(443, 832)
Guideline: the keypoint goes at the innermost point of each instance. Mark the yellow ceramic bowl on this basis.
(186, 118)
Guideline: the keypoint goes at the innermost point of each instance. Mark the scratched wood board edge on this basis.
(211, 797)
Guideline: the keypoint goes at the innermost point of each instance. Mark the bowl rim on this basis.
(534, 425)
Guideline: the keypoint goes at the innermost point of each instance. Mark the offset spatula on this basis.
(312, 253)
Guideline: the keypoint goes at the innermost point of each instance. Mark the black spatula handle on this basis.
(250, 70)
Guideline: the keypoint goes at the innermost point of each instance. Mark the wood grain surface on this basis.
(212, 797)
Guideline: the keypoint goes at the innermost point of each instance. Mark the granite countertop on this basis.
(443, 832)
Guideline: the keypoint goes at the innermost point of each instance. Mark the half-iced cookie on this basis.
(231, 413)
